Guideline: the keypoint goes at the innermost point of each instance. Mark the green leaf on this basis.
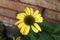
(50, 31)
(1, 27)
(56, 37)
(48, 26)
(45, 36)
(57, 30)
(32, 37)
(1, 32)
(25, 37)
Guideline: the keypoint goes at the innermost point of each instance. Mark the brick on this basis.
(19, 6)
(50, 4)
(15, 0)
(7, 20)
(52, 16)
(7, 12)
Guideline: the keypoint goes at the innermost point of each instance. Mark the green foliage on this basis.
(50, 31)
(1, 32)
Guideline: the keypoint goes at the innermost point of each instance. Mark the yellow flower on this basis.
(29, 19)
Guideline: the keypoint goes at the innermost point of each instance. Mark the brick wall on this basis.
(49, 9)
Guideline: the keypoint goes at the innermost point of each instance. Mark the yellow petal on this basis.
(40, 19)
(20, 25)
(20, 16)
(26, 31)
(22, 29)
(37, 15)
(18, 38)
(34, 29)
(37, 26)
(18, 22)
(27, 11)
(13, 38)
(36, 12)
(31, 11)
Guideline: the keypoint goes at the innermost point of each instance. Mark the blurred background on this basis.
(50, 10)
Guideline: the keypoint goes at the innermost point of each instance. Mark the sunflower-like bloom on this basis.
(29, 19)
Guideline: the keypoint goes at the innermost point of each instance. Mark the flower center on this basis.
(29, 20)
